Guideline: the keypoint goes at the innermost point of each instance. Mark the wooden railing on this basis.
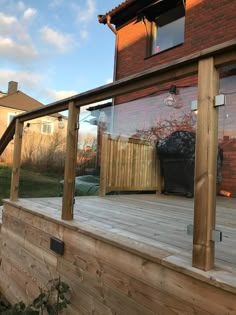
(209, 60)
(129, 164)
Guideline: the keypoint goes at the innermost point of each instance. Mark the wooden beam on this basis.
(8, 135)
(205, 166)
(224, 53)
(225, 59)
(16, 161)
(70, 163)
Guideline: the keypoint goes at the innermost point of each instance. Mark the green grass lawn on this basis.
(32, 183)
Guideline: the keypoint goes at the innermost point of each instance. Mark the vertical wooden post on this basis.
(205, 166)
(15, 177)
(70, 163)
(103, 167)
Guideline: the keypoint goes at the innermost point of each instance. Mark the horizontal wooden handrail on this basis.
(223, 54)
(8, 135)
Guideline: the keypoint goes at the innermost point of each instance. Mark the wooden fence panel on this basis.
(129, 164)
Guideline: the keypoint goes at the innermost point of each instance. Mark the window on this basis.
(10, 117)
(47, 127)
(168, 30)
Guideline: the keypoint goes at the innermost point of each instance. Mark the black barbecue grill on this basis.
(177, 156)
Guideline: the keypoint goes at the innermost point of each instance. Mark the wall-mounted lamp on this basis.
(26, 129)
(102, 117)
(170, 100)
(61, 123)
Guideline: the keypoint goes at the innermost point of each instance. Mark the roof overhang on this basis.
(134, 9)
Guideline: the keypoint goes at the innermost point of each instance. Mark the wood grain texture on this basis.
(70, 163)
(16, 160)
(205, 166)
(111, 266)
(129, 165)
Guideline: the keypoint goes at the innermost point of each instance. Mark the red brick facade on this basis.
(229, 166)
(207, 23)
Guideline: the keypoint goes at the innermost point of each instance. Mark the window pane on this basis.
(47, 127)
(226, 168)
(170, 35)
(10, 117)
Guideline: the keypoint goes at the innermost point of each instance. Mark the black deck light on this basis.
(26, 128)
(61, 123)
(57, 245)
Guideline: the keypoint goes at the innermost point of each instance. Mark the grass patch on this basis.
(32, 183)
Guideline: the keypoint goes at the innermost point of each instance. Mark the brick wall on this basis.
(229, 166)
(207, 23)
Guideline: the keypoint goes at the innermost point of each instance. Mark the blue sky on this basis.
(55, 48)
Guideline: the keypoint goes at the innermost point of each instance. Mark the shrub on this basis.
(52, 301)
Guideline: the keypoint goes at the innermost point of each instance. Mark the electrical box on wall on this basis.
(220, 100)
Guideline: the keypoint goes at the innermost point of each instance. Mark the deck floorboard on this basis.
(147, 218)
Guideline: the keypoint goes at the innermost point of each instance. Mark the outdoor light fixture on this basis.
(26, 129)
(102, 117)
(170, 100)
(61, 123)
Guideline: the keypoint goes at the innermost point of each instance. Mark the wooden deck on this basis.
(155, 225)
(124, 255)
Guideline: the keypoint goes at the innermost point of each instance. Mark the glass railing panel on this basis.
(226, 168)
(118, 158)
(43, 156)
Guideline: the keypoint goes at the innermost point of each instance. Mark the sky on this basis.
(55, 48)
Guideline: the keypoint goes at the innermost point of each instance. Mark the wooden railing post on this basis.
(70, 163)
(15, 177)
(205, 166)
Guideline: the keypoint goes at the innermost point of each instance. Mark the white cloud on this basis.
(6, 22)
(26, 80)
(20, 5)
(64, 42)
(59, 95)
(17, 52)
(15, 41)
(33, 84)
(110, 80)
(29, 13)
(11, 27)
(84, 34)
(86, 14)
(56, 3)
(83, 17)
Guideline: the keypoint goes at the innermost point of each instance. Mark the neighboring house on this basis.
(150, 33)
(42, 130)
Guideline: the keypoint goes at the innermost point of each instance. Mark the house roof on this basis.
(130, 9)
(20, 101)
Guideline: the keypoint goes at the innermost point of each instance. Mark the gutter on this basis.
(112, 28)
(107, 21)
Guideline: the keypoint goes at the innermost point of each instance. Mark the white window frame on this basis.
(48, 123)
(9, 119)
